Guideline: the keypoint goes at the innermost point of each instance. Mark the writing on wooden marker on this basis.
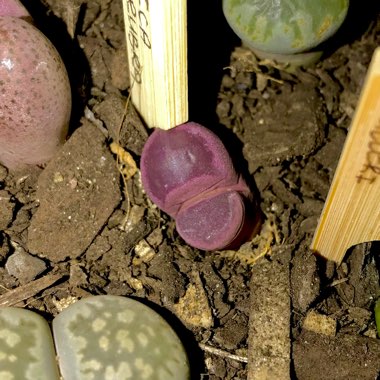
(351, 213)
(371, 168)
(138, 32)
(156, 36)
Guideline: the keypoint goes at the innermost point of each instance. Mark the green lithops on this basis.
(285, 26)
(117, 338)
(97, 338)
(26, 346)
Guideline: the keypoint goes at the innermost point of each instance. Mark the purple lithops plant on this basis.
(35, 95)
(187, 172)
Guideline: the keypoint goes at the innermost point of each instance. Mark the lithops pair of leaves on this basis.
(97, 338)
(285, 26)
(189, 174)
(35, 95)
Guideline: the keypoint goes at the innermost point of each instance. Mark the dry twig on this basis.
(17, 295)
(223, 354)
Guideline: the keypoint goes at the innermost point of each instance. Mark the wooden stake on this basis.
(156, 33)
(351, 214)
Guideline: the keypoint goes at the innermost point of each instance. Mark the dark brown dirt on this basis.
(79, 219)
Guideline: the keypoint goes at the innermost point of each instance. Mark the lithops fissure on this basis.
(189, 174)
(99, 337)
(35, 95)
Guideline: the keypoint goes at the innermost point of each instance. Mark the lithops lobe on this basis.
(112, 337)
(26, 346)
(35, 96)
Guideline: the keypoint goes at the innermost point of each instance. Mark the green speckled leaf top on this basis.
(26, 346)
(117, 338)
(285, 26)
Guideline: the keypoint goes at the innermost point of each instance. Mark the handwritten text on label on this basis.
(371, 168)
(138, 32)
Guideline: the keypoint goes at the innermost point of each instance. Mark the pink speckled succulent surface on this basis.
(35, 95)
(13, 8)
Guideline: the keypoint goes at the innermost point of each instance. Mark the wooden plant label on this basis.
(156, 33)
(351, 214)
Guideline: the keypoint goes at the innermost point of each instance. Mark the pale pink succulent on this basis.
(35, 95)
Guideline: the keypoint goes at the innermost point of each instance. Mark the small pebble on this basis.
(24, 266)
(320, 324)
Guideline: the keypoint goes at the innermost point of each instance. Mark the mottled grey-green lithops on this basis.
(117, 338)
(26, 346)
(285, 26)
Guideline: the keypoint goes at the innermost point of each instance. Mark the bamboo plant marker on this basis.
(351, 214)
(156, 33)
